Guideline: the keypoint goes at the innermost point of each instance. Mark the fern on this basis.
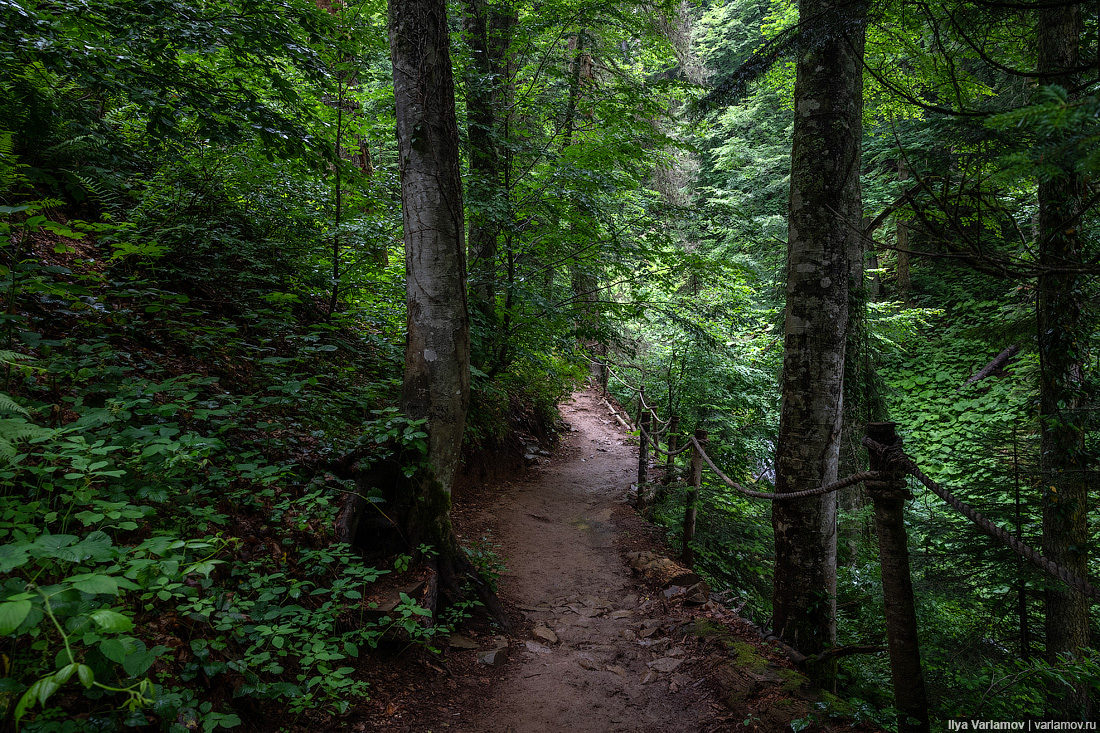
(7, 404)
(99, 193)
(17, 430)
(7, 161)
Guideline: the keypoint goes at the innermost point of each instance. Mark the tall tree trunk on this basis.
(488, 32)
(1062, 463)
(904, 283)
(437, 351)
(825, 213)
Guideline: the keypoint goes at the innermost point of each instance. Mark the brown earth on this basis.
(594, 648)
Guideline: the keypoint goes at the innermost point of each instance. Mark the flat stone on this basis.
(674, 590)
(500, 642)
(647, 632)
(656, 645)
(493, 657)
(697, 595)
(458, 641)
(620, 614)
(546, 634)
(665, 664)
(649, 677)
(537, 648)
(616, 669)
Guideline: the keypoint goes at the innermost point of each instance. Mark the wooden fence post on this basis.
(688, 555)
(889, 497)
(643, 455)
(673, 444)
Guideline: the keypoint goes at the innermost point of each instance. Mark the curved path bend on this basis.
(589, 654)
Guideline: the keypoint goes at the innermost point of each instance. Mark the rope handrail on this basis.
(1051, 568)
(855, 478)
(625, 383)
(657, 449)
(897, 457)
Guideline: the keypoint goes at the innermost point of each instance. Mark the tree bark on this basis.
(437, 351)
(825, 212)
(436, 385)
(488, 32)
(1060, 329)
(902, 237)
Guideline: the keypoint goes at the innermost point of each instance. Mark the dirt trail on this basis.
(585, 657)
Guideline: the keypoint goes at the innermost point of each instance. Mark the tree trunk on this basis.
(904, 283)
(437, 351)
(825, 212)
(1062, 463)
(488, 32)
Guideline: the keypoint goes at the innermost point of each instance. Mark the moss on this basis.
(792, 680)
(748, 657)
(836, 705)
(710, 631)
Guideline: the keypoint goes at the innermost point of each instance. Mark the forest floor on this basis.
(594, 647)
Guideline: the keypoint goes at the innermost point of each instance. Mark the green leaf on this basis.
(95, 583)
(119, 648)
(25, 702)
(12, 614)
(47, 686)
(111, 621)
(138, 664)
(62, 675)
(85, 674)
(11, 557)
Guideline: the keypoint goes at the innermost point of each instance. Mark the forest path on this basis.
(587, 654)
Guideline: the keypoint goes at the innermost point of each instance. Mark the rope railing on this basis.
(893, 457)
(886, 486)
(1036, 558)
(837, 485)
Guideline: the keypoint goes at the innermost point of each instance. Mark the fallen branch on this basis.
(997, 363)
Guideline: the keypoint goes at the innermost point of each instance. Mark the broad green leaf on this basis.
(111, 621)
(47, 686)
(62, 675)
(95, 583)
(85, 674)
(12, 557)
(12, 614)
(117, 649)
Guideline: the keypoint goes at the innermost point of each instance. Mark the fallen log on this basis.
(998, 362)
(616, 415)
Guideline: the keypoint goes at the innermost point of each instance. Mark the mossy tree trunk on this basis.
(1061, 332)
(437, 351)
(825, 213)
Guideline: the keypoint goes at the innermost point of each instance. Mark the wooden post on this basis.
(673, 444)
(643, 455)
(688, 555)
(889, 497)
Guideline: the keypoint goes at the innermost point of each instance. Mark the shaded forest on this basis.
(279, 275)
